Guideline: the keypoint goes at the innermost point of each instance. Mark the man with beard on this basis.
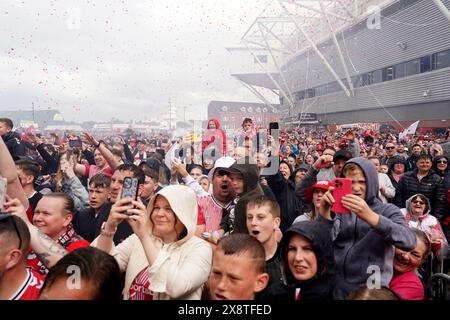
(212, 205)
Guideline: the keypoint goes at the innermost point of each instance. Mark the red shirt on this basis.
(92, 170)
(140, 287)
(31, 287)
(408, 286)
(200, 217)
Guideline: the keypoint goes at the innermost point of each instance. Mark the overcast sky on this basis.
(94, 60)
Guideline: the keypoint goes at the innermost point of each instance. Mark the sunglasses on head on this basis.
(442, 161)
(5, 217)
(418, 202)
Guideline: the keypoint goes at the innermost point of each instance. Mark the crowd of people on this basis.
(210, 219)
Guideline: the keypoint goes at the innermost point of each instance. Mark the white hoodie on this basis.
(182, 267)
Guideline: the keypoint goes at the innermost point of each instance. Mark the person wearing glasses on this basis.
(418, 215)
(391, 152)
(17, 282)
(441, 168)
(424, 181)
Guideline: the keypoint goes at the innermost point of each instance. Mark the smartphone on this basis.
(343, 187)
(130, 188)
(3, 185)
(274, 126)
(75, 143)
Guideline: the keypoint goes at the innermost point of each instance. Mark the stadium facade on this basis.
(354, 61)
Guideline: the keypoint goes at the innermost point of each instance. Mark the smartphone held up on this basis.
(342, 187)
(130, 189)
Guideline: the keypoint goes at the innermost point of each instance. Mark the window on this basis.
(377, 76)
(310, 93)
(365, 79)
(412, 67)
(261, 58)
(425, 64)
(300, 95)
(281, 100)
(321, 90)
(333, 87)
(357, 81)
(441, 60)
(399, 70)
(387, 74)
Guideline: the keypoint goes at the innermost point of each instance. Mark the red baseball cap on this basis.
(321, 184)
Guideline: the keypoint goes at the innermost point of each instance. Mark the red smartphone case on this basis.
(343, 186)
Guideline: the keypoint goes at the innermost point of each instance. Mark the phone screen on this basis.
(75, 143)
(130, 188)
(274, 126)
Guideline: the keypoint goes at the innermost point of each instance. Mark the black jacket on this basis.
(321, 286)
(290, 204)
(14, 144)
(87, 225)
(430, 186)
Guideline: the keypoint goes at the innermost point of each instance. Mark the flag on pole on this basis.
(409, 131)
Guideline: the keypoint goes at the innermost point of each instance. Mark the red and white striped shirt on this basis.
(140, 287)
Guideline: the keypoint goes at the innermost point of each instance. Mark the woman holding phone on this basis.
(163, 259)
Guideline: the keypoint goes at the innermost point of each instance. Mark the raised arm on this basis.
(106, 153)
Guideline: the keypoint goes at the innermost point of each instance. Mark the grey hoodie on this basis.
(360, 251)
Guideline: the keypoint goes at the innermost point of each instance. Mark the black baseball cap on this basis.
(342, 154)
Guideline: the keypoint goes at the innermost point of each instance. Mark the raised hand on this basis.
(89, 139)
(324, 161)
(139, 219)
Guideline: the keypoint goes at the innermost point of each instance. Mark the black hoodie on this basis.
(250, 174)
(321, 286)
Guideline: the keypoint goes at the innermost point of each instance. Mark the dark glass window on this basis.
(399, 70)
(300, 95)
(357, 81)
(425, 64)
(387, 74)
(376, 76)
(442, 59)
(412, 67)
(310, 93)
(321, 90)
(261, 58)
(334, 87)
(364, 79)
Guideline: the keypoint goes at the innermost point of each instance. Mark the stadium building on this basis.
(351, 61)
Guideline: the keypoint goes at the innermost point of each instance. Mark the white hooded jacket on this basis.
(182, 267)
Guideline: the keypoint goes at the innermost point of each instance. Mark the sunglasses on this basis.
(442, 161)
(222, 173)
(418, 202)
(5, 217)
(387, 148)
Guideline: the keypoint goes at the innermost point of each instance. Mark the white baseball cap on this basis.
(223, 162)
